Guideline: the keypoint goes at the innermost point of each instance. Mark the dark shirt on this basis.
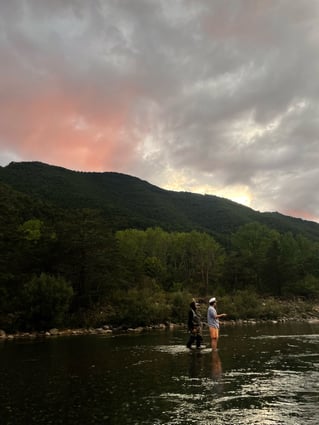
(193, 319)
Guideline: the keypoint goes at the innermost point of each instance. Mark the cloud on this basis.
(207, 96)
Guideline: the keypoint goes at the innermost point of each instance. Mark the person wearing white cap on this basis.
(213, 322)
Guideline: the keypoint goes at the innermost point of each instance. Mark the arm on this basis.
(190, 320)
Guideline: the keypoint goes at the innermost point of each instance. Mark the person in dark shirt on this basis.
(194, 324)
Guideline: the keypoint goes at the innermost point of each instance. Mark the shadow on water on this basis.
(261, 375)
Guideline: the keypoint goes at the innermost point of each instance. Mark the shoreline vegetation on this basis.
(118, 253)
(106, 330)
(291, 311)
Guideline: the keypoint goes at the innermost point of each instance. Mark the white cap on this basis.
(212, 300)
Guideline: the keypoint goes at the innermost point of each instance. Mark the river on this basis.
(261, 374)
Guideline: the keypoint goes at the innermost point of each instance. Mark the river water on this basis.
(261, 374)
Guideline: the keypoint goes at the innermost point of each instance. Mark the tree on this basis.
(197, 259)
(252, 243)
(207, 257)
(46, 299)
(86, 256)
(131, 249)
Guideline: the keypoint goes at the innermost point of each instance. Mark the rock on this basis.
(106, 327)
(162, 326)
(101, 331)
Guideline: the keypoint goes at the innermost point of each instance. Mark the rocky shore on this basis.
(105, 330)
(108, 330)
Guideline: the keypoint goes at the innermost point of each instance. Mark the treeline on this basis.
(69, 268)
(127, 202)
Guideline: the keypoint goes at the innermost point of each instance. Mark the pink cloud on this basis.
(67, 129)
(301, 213)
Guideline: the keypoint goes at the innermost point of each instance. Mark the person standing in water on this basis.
(213, 322)
(194, 325)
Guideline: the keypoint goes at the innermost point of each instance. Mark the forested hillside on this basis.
(85, 249)
(128, 202)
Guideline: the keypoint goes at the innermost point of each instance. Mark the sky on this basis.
(205, 96)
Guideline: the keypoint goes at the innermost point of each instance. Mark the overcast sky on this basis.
(209, 96)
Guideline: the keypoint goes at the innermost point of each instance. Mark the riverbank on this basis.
(105, 330)
(246, 312)
(108, 330)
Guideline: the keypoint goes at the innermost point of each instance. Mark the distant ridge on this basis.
(129, 202)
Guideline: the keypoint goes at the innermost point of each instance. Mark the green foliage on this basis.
(247, 304)
(121, 243)
(307, 288)
(242, 304)
(31, 229)
(86, 255)
(46, 299)
(140, 307)
(252, 243)
(179, 302)
(154, 268)
(128, 202)
(194, 258)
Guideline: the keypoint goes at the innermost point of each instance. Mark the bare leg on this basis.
(214, 344)
(214, 333)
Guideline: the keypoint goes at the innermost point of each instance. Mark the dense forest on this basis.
(127, 202)
(79, 251)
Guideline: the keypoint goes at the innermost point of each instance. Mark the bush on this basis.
(272, 309)
(308, 288)
(46, 299)
(179, 302)
(148, 305)
(243, 304)
(140, 307)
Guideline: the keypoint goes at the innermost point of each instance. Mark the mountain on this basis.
(129, 202)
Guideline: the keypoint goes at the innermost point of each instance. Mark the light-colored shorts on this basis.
(214, 333)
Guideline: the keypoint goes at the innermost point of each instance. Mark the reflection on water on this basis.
(216, 366)
(260, 375)
(272, 379)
